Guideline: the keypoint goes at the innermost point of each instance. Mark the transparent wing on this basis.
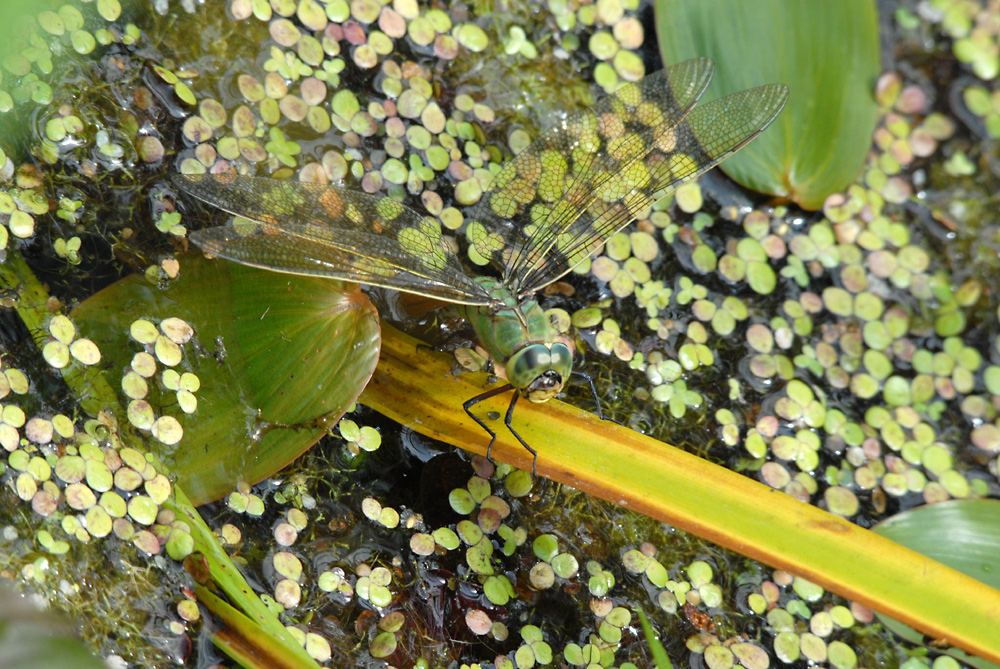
(322, 230)
(550, 183)
(637, 152)
(627, 182)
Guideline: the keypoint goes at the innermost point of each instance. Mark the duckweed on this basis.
(844, 334)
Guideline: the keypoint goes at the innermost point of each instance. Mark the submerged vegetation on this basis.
(848, 357)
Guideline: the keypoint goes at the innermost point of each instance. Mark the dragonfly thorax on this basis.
(516, 332)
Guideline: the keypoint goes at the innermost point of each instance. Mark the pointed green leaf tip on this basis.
(655, 647)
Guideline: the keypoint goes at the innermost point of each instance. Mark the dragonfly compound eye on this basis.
(538, 371)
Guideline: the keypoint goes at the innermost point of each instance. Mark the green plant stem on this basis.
(32, 304)
(241, 639)
(226, 575)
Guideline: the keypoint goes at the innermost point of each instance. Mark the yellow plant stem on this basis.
(417, 387)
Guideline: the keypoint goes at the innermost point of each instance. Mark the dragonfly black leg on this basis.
(510, 412)
(479, 398)
(506, 421)
(593, 391)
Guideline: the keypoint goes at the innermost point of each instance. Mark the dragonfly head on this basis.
(538, 371)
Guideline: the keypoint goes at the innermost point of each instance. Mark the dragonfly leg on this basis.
(506, 421)
(479, 398)
(510, 412)
(597, 400)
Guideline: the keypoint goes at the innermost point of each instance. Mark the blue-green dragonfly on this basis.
(549, 208)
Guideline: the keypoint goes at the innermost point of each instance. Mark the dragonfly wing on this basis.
(553, 179)
(622, 183)
(322, 230)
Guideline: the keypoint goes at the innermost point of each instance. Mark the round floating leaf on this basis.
(825, 52)
(278, 357)
(383, 645)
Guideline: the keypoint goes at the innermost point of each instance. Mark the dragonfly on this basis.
(548, 209)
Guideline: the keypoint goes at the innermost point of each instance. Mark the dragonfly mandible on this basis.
(550, 207)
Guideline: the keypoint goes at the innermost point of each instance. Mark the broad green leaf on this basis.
(280, 358)
(827, 53)
(963, 534)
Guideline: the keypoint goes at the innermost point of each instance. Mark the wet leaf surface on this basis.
(279, 358)
(972, 529)
(830, 74)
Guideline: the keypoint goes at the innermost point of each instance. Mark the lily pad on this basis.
(827, 53)
(279, 358)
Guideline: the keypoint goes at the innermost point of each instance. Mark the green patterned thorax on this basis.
(552, 206)
(520, 341)
(506, 325)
